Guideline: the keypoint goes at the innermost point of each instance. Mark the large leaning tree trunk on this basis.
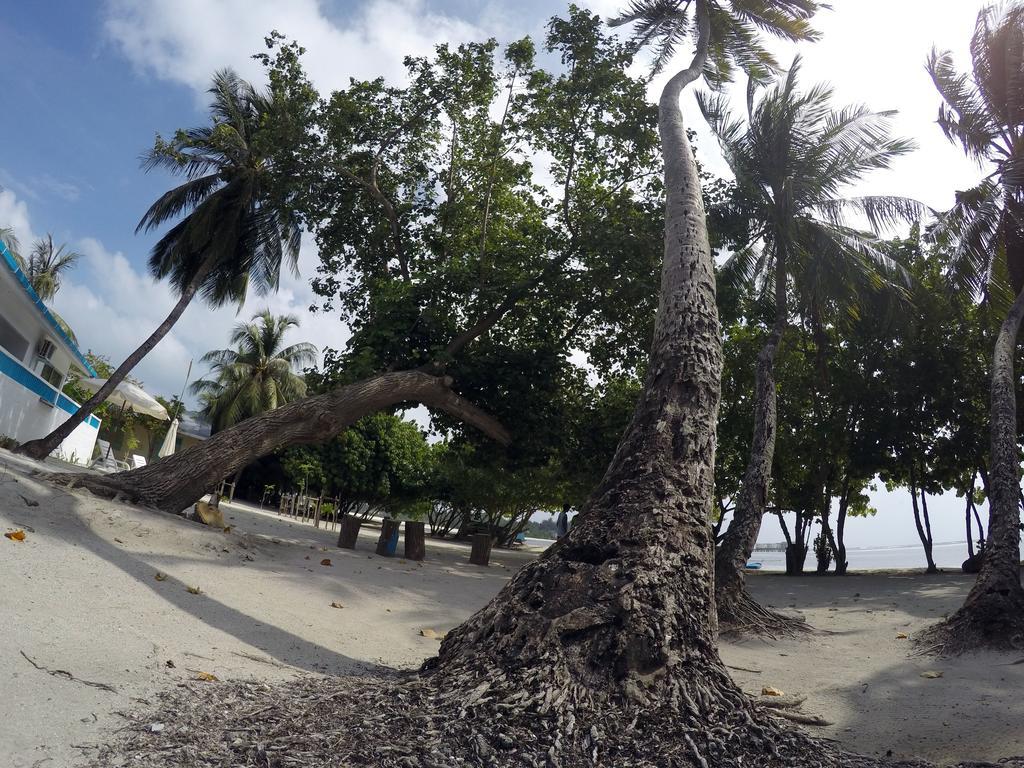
(993, 614)
(174, 483)
(44, 446)
(737, 611)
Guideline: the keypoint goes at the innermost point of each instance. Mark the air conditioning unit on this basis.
(45, 349)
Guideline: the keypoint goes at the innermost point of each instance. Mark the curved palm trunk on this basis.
(44, 446)
(735, 607)
(174, 483)
(993, 614)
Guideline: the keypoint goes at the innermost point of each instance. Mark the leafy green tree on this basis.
(258, 374)
(236, 229)
(380, 463)
(980, 112)
(793, 156)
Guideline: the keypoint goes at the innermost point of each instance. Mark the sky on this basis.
(87, 85)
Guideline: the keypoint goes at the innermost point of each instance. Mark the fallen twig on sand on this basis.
(67, 675)
(260, 659)
(744, 669)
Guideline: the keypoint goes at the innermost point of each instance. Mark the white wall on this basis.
(24, 417)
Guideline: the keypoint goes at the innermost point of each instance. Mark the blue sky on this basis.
(87, 85)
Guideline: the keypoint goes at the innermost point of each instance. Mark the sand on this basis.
(80, 597)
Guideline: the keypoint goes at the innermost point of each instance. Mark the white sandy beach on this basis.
(81, 598)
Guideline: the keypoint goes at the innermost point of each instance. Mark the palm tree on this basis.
(257, 375)
(793, 157)
(985, 231)
(11, 242)
(45, 265)
(235, 230)
(43, 268)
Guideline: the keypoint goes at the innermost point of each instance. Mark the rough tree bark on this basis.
(737, 611)
(174, 483)
(44, 446)
(993, 613)
(840, 549)
(610, 637)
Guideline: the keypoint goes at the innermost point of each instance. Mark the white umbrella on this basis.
(128, 395)
(169, 439)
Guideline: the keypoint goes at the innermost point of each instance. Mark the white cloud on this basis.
(185, 41)
(62, 189)
(14, 214)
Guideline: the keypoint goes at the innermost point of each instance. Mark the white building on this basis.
(36, 356)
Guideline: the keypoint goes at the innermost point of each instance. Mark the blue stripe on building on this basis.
(12, 369)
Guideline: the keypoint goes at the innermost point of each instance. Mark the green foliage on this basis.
(735, 31)
(72, 388)
(380, 463)
(981, 113)
(46, 264)
(257, 375)
(232, 214)
(793, 157)
(13, 245)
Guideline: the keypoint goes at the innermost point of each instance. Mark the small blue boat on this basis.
(752, 566)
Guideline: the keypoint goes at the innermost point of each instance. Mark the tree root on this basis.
(991, 620)
(781, 702)
(742, 615)
(802, 717)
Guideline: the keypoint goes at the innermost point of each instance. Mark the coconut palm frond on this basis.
(793, 155)
(971, 230)
(13, 245)
(984, 113)
(47, 264)
(736, 32)
(881, 211)
(963, 116)
(227, 209)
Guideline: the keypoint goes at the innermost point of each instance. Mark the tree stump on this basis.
(349, 532)
(481, 552)
(387, 544)
(415, 540)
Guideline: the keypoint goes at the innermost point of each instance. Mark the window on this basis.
(12, 341)
(51, 375)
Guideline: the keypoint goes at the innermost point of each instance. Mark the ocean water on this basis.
(946, 555)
